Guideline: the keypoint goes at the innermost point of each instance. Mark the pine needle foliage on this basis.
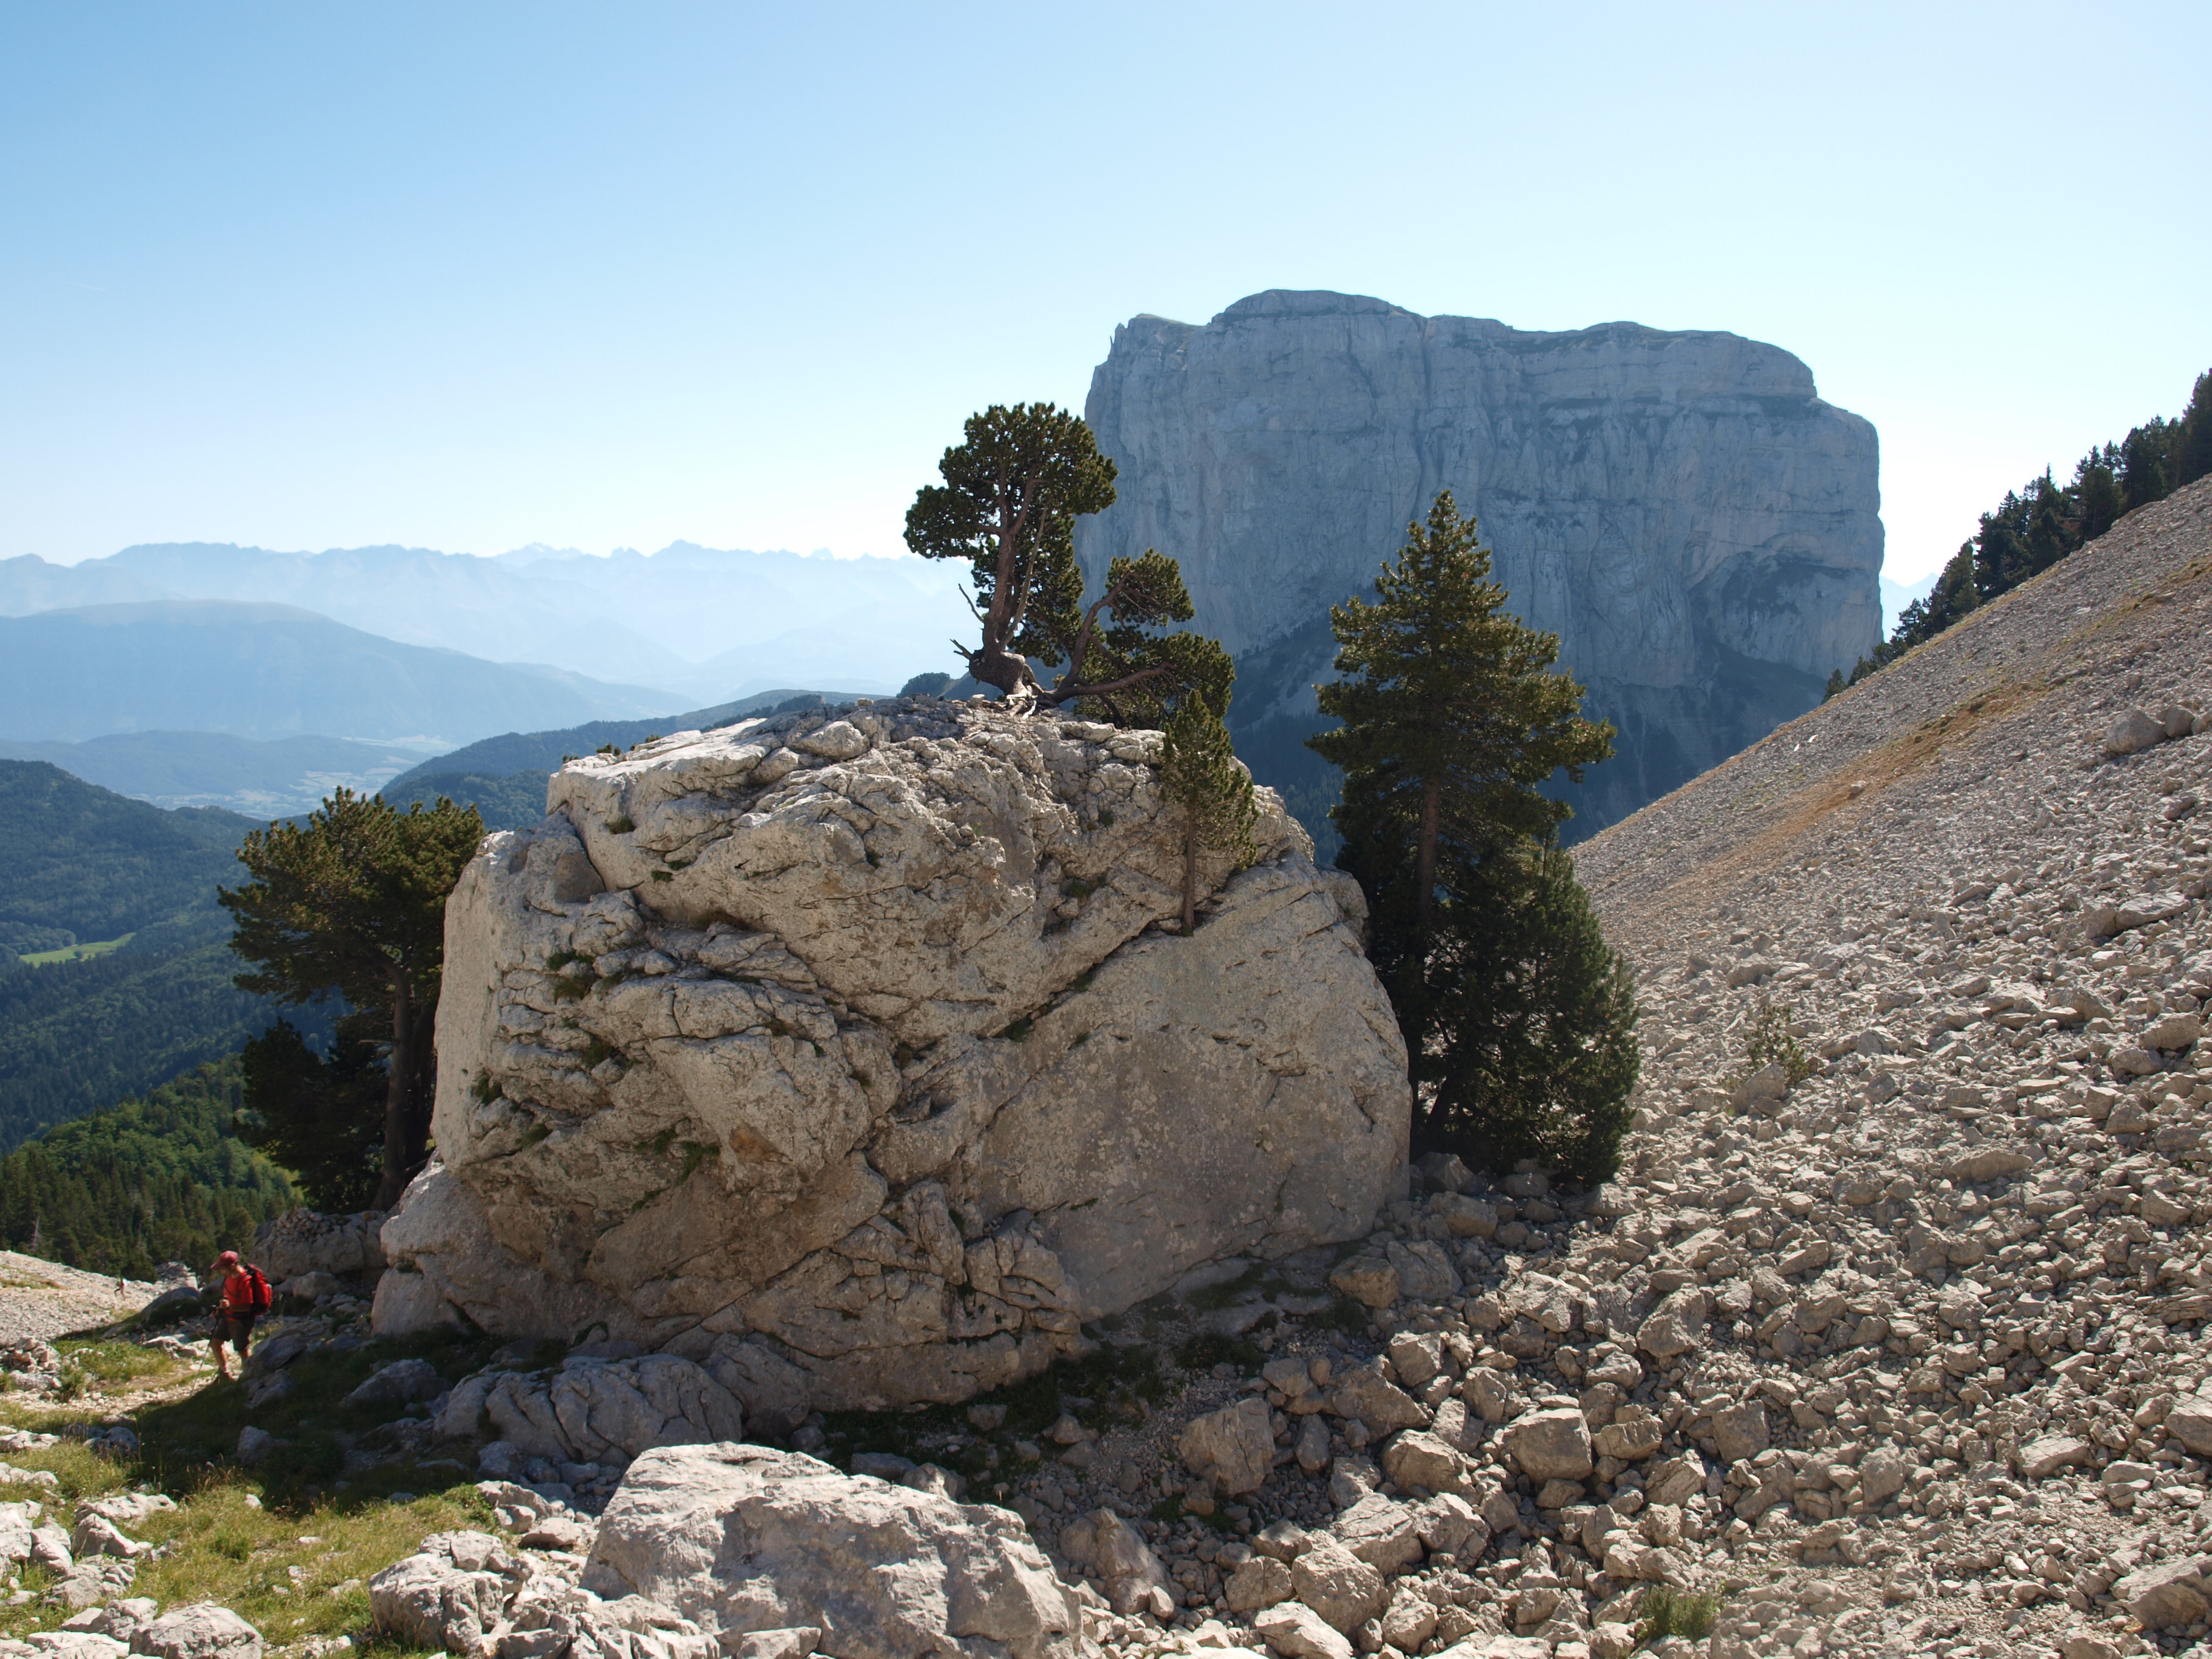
(352, 900)
(321, 1117)
(1451, 714)
(1011, 493)
(1201, 776)
(1518, 1021)
(1528, 1048)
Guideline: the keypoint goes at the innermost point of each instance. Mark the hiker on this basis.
(245, 1298)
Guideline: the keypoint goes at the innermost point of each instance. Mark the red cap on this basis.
(228, 1259)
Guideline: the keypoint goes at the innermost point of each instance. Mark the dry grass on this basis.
(289, 1546)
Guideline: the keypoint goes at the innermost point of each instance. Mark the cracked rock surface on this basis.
(844, 1055)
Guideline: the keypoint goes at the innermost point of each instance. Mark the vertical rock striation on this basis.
(1699, 529)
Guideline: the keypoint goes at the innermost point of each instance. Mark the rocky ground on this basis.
(41, 1300)
(1889, 1338)
(1892, 1330)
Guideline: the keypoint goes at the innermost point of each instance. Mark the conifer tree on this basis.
(1529, 1049)
(352, 900)
(1011, 494)
(1451, 714)
(1518, 1021)
(1199, 774)
(2033, 528)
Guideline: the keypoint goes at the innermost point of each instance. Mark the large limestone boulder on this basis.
(742, 1538)
(848, 1057)
(591, 1410)
(301, 1242)
(452, 1593)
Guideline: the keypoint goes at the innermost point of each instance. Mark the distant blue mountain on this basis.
(272, 671)
(264, 778)
(703, 624)
(1895, 596)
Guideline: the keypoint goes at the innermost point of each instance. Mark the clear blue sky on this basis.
(474, 277)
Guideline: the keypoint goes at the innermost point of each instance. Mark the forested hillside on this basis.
(87, 867)
(503, 803)
(156, 1179)
(2044, 521)
(85, 864)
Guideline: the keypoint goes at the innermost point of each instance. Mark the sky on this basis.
(474, 278)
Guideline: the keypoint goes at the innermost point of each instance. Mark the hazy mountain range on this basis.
(206, 674)
(272, 671)
(704, 623)
(263, 779)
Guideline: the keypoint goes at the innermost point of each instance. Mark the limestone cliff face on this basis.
(1699, 529)
(845, 1055)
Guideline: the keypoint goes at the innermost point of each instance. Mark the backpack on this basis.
(258, 1296)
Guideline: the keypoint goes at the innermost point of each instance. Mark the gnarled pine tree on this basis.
(1011, 494)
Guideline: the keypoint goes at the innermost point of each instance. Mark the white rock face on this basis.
(1699, 529)
(740, 1539)
(593, 1409)
(301, 1242)
(845, 1057)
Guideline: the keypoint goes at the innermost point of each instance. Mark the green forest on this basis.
(2043, 521)
(87, 865)
(161, 1178)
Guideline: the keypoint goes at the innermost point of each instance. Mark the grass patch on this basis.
(192, 1441)
(290, 1546)
(115, 1362)
(1665, 1611)
(77, 953)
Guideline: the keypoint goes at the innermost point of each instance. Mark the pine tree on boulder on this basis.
(1209, 787)
(1011, 494)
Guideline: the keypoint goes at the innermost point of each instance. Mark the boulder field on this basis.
(854, 1056)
